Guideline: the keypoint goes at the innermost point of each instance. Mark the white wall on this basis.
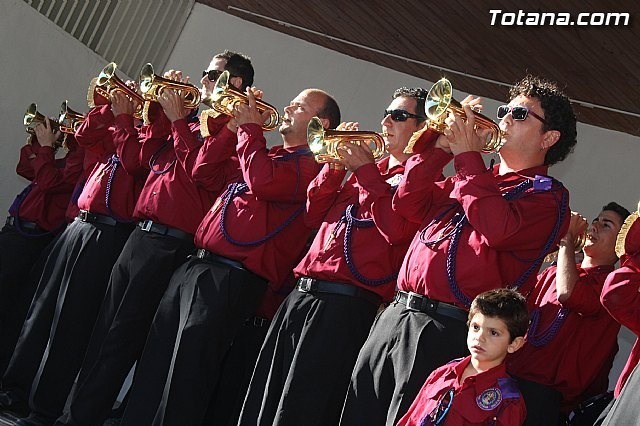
(41, 63)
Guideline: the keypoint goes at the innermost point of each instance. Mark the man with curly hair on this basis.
(481, 229)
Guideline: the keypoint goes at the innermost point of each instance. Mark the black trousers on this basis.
(62, 315)
(19, 269)
(303, 369)
(543, 403)
(403, 348)
(138, 280)
(236, 370)
(202, 311)
(625, 409)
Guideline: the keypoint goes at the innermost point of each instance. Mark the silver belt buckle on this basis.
(201, 253)
(413, 300)
(146, 225)
(305, 284)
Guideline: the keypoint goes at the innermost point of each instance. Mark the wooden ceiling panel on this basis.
(598, 64)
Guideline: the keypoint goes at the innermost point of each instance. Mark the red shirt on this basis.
(501, 237)
(582, 350)
(479, 400)
(108, 175)
(621, 297)
(170, 195)
(52, 183)
(376, 252)
(217, 163)
(277, 180)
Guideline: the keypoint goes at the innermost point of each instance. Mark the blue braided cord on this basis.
(154, 158)
(113, 164)
(519, 191)
(359, 223)
(78, 190)
(542, 339)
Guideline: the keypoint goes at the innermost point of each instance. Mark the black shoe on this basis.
(12, 403)
(35, 419)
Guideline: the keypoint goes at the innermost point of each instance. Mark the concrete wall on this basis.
(41, 63)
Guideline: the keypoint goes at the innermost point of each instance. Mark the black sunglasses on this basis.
(518, 113)
(401, 115)
(212, 75)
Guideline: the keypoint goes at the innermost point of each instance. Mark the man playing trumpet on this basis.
(479, 230)
(350, 269)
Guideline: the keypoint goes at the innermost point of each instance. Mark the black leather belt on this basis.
(418, 302)
(212, 257)
(87, 216)
(23, 224)
(311, 285)
(158, 228)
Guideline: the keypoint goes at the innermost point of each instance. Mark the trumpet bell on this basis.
(32, 117)
(440, 101)
(69, 119)
(152, 85)
(324, 143)
(581, 240)
(101, 87)
(225, 97)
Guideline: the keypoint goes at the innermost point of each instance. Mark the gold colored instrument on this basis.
(107, 81)
(225, 97)
(581, 240)
(32, 117)
(621, 239)
(152, 85)
(69, 119)
(440, 102)
(324, 143)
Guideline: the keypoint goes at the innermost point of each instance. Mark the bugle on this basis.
(32, 117)
(225, 97)
(152, 85)
(101, 87)
(324, 143)
(440, 102)
(69, 119)
(579, 243)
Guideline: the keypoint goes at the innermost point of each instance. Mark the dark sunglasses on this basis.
(212, 75)
(439, 413)
(518, 113)
(401, 115)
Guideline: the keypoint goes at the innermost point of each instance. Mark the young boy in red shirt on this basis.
(476, 390)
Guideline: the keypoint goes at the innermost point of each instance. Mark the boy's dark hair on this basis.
(506, 304)
(558, 114)
(617, 208)
(330, 110)
(419, 94)
(238, 65)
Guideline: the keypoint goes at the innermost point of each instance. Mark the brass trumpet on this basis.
(581, 240)
(440, 102)
(32, 117)
(69, 119)
(324, 143)
(152, 85)
(107, 81)
(225, 97)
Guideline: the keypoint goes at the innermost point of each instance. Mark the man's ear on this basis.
(325, 122)
(550, 138)
(515, 345)
(236, 82)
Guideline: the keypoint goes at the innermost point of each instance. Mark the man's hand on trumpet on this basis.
(249, 113)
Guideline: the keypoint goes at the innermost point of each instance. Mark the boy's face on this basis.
(489, 341)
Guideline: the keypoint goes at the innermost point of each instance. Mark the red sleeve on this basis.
(321, 194)
(585, 296)
(24, 167)
(621, 294)
(128, 145)
(375, 190)
(510, 226)
(418, 187)
(217, 162)
(513, 414)
(94, 134)
(153, 136)
(186, 145)
(268, 178)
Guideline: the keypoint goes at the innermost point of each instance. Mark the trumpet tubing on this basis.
(69, 119)
(324, 144)
(225, 97)
(101, 87)
(152, 85)
(32, 117)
